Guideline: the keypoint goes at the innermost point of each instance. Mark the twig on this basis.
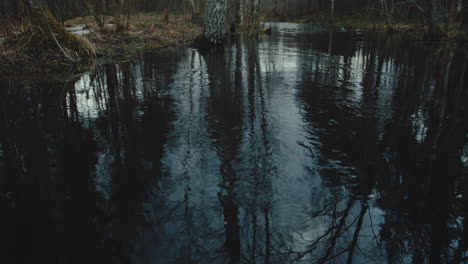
(60, 46)
(89, 28)
(414, 27)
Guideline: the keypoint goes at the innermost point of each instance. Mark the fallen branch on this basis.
(414, 27)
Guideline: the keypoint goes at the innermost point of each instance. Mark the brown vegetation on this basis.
(43, 42)
(147, 30)
(118, 27)
(36, 49)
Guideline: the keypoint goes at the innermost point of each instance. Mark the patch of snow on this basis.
(76, 28)
(81, 32)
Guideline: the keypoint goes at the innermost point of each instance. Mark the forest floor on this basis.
(147, 31)
(153, 31)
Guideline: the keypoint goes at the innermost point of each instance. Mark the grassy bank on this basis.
(35, 51)
(41, 56)
(147, 31)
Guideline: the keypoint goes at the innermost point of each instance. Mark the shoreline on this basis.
(455, 38)
(148, 31)
(152, 31)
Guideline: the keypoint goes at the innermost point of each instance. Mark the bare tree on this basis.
(122, 14)
(97, 8)
(196, 9)
(250, 16)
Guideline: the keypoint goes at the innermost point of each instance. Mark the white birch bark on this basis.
(215, 21)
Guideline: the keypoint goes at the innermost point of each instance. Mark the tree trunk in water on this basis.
(215, 21)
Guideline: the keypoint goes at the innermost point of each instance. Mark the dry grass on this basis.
(147, 30)
(35, 48)
(44, 44)
(138, 21)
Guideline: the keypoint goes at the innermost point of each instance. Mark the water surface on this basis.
(306, 146)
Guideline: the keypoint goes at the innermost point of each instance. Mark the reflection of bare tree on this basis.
(225, 104)
(86, 161)
(259, 124)
(246, 159)
(51, 193)
(376, 142)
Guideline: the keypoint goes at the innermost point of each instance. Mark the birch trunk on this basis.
(215, 21)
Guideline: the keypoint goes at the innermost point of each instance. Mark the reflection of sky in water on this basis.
(88, 105)
(253, 135)
(193, 160)
(297, 188)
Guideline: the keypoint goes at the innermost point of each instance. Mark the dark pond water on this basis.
(306, 146)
